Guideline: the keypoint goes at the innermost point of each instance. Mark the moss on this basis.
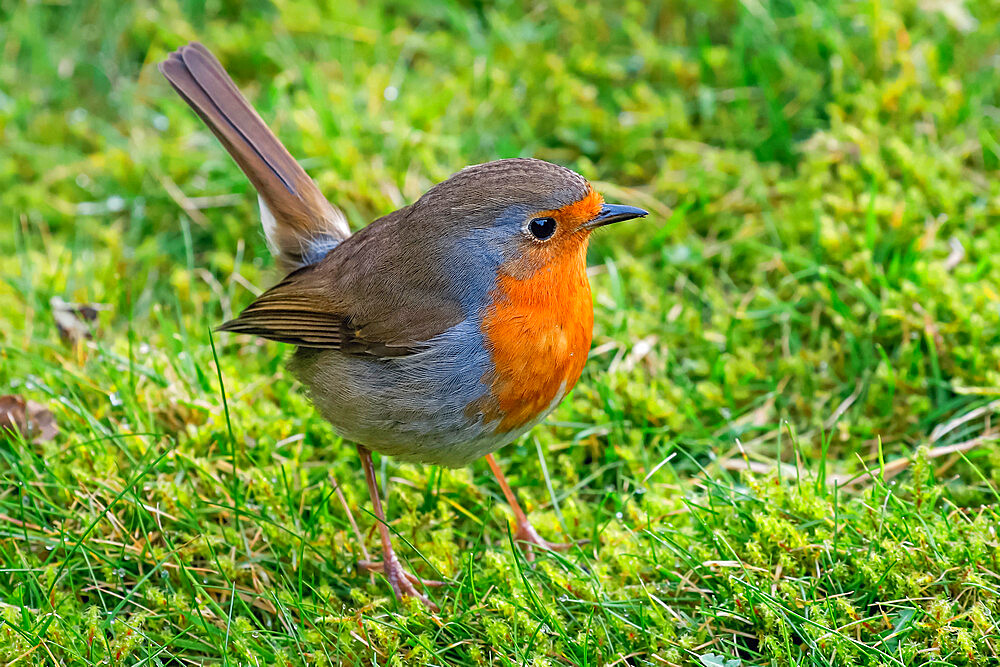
(816, 287)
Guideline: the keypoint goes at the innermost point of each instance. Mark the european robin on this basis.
(436, 334)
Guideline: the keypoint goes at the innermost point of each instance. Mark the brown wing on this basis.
(290, 312)
(302, 215)
(298, 312)
(374, 294)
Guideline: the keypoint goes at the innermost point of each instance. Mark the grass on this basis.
(783, 448)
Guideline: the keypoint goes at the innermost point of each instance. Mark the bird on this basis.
(435, 334)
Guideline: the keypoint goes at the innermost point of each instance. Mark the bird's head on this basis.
(528, 214)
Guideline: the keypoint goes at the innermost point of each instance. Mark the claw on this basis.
(403, 582)
(528, 538)
(378, 566)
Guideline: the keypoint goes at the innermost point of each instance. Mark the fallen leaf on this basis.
(29, 418)
(42, 421)
(13, 414)
(75, 320)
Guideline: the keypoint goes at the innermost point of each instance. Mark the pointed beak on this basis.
(615, 213)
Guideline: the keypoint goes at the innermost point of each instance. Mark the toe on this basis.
(370, 565)
(403, 583)
(406, 585)
(417, 581)
(529, 537)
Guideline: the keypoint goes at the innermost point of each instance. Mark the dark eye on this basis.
(542, 228)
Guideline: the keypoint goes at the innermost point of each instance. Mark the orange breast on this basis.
(538, 330)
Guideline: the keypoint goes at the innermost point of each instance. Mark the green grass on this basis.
(816, 294)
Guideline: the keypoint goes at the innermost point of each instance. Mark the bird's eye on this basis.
(542, 228)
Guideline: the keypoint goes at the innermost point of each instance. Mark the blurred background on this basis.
(815, 296)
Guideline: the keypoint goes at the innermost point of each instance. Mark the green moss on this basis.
(816, 287)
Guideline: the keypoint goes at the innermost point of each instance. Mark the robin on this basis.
(436, 334)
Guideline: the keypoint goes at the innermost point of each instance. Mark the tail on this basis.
(301, 226)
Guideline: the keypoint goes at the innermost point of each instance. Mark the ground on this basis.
(782, 450)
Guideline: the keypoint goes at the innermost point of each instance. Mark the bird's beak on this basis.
(615, 213)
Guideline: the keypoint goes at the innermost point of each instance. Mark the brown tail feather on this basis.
(300, 224)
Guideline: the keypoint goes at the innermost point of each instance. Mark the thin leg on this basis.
(525, 532)
(403, 583)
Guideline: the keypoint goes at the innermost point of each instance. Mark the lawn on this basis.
(784, 449)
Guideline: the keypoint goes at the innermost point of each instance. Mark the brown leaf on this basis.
(42, 421)
(13, 415)
(75, 320)
(28, 418)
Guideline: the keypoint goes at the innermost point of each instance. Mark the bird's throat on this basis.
(538, 331)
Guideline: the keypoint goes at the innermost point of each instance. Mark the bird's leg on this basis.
(525, 532)
(403, 583)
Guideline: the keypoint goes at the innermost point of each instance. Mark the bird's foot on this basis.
(528, 538)
(403, 583)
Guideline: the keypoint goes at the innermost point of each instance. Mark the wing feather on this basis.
(301, 312)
